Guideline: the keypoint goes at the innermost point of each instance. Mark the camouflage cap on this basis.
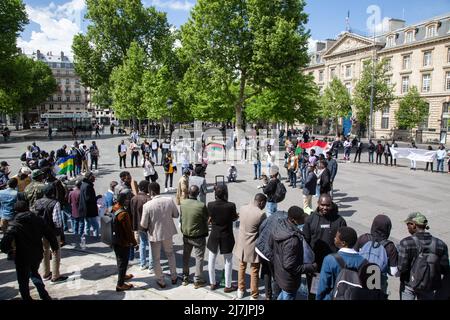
(417, 218)
(36, 173)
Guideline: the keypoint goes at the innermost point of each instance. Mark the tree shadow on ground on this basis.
(339, 195)
(348, 199)
(7, 293)
(347, 213)
(100, 295)
(97, 272)
(6, 277)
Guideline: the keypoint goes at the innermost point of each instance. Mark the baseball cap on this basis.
(25, 170)
(417, 218)
(36, 173)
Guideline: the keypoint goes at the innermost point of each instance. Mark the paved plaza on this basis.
(361, 191)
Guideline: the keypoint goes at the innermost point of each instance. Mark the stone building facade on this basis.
(418, 55)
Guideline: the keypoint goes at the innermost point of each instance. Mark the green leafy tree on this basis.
(243, 49)
(13, 19)
(115, 24)
(383, 91)
(336, 102)
(413, 109)
(126, 81)
(299, 103)
(25, 83)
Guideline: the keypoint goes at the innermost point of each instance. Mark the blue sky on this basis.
(54, 23)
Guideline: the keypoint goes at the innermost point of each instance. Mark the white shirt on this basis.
(149, 170)
(28, 155)
(123, 148)
(270, 157)
(440, 154)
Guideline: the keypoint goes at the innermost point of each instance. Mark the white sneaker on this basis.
(240, 294)
(165, 190)
(144, 267)
(151, 271)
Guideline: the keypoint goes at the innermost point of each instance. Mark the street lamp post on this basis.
(169, 107)
(372, 89)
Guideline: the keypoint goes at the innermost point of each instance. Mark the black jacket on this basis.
(88, 200)
(310, 185)
(265, 230)
(287, 247)
(270, 188)
(319, 232)
(27, 231)
(222, 214)
(325, 181)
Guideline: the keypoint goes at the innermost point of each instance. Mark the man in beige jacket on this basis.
(157, 219)
(250, 216)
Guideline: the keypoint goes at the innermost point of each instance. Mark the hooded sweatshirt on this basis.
(287, 248)
(380, 231)
(320, 231)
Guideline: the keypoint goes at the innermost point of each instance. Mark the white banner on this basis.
(413, 154)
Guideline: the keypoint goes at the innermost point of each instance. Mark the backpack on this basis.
(23, 157)
(44, 209)
(108, 233)
(347, 280)
(425, 269)
(375, 252)
(280, 192)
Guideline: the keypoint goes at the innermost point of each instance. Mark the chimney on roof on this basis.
(395, 24)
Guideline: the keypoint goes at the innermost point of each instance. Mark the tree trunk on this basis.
(337, 125)
(240, 104)
(161, 125)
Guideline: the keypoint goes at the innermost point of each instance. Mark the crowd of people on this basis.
(291, 251)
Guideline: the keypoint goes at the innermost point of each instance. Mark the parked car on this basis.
(39, 125)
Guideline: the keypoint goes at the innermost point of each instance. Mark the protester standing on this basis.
(251, 217)
(157, 219)
(122, 151)
(26, 231)
(194, 227)
(222, 214)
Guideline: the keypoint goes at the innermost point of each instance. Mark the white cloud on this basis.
(58, 25)
(312, 45)
(381, 27)
(183, 5)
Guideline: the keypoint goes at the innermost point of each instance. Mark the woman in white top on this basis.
(149, 169)
(29, 154)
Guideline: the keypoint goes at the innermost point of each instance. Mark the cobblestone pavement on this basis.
(361, 191)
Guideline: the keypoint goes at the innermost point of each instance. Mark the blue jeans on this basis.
(145, 250)
(286, 295)
(407, 293)
(440, 165)
(92, 222)
(304, 175)
(78, 225)
(271, 208)
(65, 219)
(293, 178)
(257, 167)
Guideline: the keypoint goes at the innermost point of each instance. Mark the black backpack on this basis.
(44, 209)
(425, 274)
(347, 280)
(109, 228)
(280, 192)
(23, 157)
